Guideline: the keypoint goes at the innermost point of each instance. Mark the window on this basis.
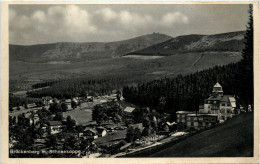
(178, 115)
(223, 104)
(188, 118)
(215, 102)
(208, 102)
(196, 123)
(195, 118)
(192, 123)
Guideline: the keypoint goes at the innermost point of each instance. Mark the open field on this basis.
(23, 75)
(142, 57)
(80, 115)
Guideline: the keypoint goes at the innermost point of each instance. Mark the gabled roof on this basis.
(217, 85)
(233, 104)
(119, 135)
(225, 98)
(129, 109)
(89, 123)
(53, 123)
(232, 99)
(100, 128)
(214, 98)
(91, 130)
(112, 126)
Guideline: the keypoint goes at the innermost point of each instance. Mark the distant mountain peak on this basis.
(232, 41)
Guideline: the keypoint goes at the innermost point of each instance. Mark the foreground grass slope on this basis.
(234, 138)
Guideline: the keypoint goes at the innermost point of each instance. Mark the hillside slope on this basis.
(82, 51)
(233, 138)
(49, 62)
(226, 42)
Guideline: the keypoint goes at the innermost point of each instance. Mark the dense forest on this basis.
(182, 92)
(78, 87)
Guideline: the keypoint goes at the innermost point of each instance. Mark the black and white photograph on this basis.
(131, 80)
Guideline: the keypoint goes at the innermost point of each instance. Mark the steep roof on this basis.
(119, 135)
(232, 99)
(217, 85)
(91, 130)
(129, 109)
(216, 98)
(100, 128)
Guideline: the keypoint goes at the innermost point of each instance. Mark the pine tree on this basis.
(245, 82)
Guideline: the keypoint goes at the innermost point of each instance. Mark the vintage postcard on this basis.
(130, 82)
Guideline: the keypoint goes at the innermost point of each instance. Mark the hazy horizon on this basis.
(45, 24)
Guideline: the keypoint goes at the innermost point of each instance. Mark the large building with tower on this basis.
(217, 108)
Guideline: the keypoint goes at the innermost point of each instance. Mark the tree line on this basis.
(182, 92)
(78, 87)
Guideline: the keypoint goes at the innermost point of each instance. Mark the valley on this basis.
(39, 63)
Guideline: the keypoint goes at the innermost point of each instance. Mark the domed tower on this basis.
(217, 90)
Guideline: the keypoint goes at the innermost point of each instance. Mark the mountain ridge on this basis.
(71, 51)
(232, 41)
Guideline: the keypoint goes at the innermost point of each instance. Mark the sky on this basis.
(40, 24)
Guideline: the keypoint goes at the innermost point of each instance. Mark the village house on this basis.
(217, 108)
(34, 118)
(101, 131)
(39, 143)
(111, 139)
(47, 100)
(182, 118)
(32, 105)
(68, 101)
(90, 132)
(55, 127)
(111, 127)
(139, 126)
(44, 131)
(200, 121)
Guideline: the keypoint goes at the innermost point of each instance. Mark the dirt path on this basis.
(196, 61)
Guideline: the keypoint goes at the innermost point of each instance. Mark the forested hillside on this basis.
(43, 53)
(182, 92)
(226, 42)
